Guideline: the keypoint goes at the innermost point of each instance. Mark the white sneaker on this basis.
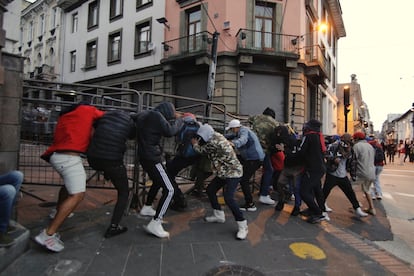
(327, 208)
(243, 230)
(53, 243)
(218, 216)
(147, 210)
(53, 213)
(326, 216)
(360, 213)
(267, 200)
(155, 228)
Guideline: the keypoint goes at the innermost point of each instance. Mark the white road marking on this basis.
(404, 194)
(387, 195)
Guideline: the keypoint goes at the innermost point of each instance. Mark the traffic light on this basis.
(347, 105)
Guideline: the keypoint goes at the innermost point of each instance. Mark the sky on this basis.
(379, 49)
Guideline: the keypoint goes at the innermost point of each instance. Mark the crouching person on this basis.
(106, 153)
(228, 171)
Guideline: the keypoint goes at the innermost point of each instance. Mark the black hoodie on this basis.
(152, 125)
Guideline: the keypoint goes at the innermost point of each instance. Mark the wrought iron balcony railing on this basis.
(192, 45)
(314, 56)
(267, 42)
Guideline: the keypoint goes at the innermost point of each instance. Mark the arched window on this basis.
(51, 57)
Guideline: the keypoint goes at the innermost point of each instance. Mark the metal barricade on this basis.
(42, 101)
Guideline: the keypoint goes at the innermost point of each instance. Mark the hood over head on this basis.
(313, 125)
(167, 109)
(205, 132)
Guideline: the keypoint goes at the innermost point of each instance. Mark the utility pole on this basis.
(212, 73)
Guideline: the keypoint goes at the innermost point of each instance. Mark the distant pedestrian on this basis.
(251, 156)
(152, 126)
(106, 153)
(363, 154)
(401, 152)
(71, 139)
(228, 172)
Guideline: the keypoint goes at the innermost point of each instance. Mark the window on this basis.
(30, 32)
(114, 46)
(91, 53)
(41, 24)
(93, 14)
(116, 9)
(194, 27)
(141, 3)
(142, 37)
(264, 14)
(74, 22)
(73, 61)
(53, 18)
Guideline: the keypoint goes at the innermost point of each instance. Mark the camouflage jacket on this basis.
(222, 156)
(264, 127)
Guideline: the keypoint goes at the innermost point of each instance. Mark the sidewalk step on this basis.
(10, 254)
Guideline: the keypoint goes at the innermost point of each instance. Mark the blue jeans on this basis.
(9, 187)
(229, 185)
(266, 176)
(376, 189)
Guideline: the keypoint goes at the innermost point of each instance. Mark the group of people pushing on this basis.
(235, 156)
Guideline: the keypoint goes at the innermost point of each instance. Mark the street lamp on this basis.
(347, 106)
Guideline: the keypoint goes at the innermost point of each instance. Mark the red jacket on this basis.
(277, 160)
(73, 130)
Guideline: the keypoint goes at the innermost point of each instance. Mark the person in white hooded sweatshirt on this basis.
(228, 172)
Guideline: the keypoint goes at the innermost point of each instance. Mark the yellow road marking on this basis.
(305, 250)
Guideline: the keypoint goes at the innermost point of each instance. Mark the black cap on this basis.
(269, 112)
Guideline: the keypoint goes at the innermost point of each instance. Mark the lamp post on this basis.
(346, 106)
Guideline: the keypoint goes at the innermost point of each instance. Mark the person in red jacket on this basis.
(71, 139)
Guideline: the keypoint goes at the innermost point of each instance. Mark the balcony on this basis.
(192, 46)
(267, 43)
(316, 62)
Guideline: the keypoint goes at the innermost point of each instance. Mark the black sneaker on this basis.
(115, 230)
(197, 193)
(248, 207)
(279, 206)
(295, 211)
(315, 219)
(305, 212)
(6, 240)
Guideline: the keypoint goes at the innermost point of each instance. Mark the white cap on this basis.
(233, 123)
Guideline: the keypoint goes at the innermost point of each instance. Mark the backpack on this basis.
(379, 155)
(186, 133)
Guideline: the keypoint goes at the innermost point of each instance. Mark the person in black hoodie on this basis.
(311, 151)
(152, 125)
(106, 153)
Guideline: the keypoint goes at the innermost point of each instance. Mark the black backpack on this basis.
(379, 155)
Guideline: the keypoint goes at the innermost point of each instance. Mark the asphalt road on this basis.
(397, 182)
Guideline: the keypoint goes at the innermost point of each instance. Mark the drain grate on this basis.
(235, 270)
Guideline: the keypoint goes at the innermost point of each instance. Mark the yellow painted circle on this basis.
(307, 251)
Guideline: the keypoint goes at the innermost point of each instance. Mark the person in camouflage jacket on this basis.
(264, 125)
(228, 171)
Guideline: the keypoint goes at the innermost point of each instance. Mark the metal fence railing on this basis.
(42, 102)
